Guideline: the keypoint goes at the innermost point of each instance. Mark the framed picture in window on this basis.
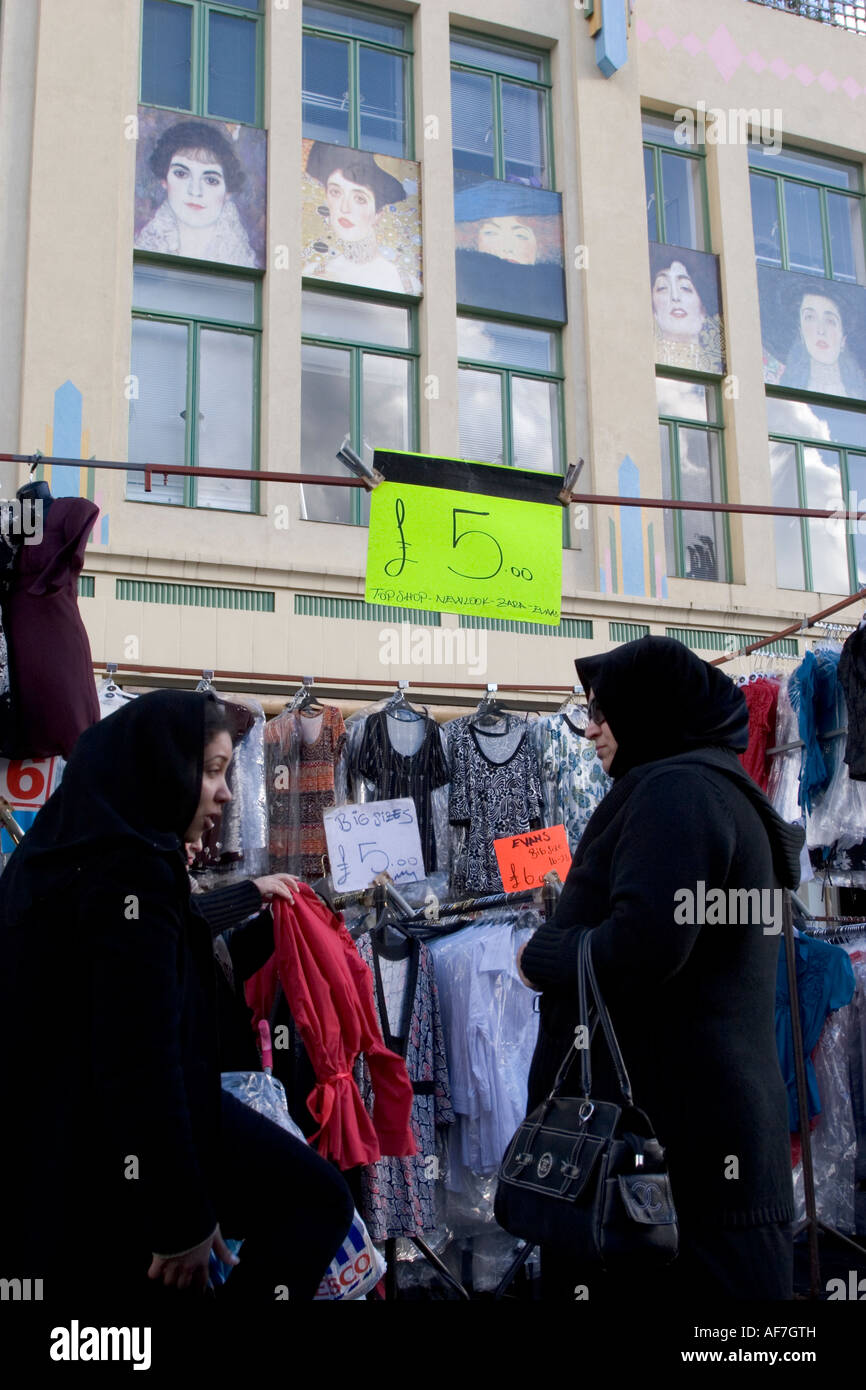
(509, 248)
(361, 218)
(200, 188)
(687, 310)
(813, 333)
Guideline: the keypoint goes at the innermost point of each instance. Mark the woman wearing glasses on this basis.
(691, 991)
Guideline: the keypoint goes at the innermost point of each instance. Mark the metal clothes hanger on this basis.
(489, 710)
(399, 706)
(304, 701)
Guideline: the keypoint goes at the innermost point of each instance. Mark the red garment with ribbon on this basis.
(329, 990)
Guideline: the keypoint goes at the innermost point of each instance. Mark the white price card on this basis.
(374, 837)
(27, 783)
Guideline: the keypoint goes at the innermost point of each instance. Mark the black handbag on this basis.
(588, 1177)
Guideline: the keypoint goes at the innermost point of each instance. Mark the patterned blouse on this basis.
(495, 791)
(571, 772)
(300, 778)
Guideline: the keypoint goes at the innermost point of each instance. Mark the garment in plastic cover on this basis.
(783, 784)
(244, 827)
(353, 788)
(357, 1266)
(834, 1138)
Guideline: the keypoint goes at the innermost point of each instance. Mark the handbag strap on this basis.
(586, 974)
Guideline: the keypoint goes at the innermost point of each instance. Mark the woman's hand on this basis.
(277, 886)
(527, 982)
(190, 1270)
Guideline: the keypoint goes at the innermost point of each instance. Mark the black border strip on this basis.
(423, 470)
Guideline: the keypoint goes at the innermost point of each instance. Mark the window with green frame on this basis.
(358, 381)
(807, 213)
(357, 78)
(697, 544)
(500, 110)
(818, 459)
(510, 394)
(676, 196)
(204, 57)
(194, 390)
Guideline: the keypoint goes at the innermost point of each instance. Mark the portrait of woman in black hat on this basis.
(356, 243)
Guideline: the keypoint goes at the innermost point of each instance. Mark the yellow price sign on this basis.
(459, 537)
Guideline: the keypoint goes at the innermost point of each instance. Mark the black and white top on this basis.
(495, 791)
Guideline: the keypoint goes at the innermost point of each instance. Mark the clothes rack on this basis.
(812, 1224)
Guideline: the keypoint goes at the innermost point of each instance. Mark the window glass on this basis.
(832, 424)
(157, 423)
(703, 535)
(385, 408)
(857, 487)
(649, 181)
(232, 68)
(535, 424)
(325, 420)
(509, 344)
(166, 54)
(359, 24)
(805, 166)
(765, 220)
(681, 185)
(472, 122)
(846, 240)
(382, 101)
(827, 541)
(326, 90)
(505, 60)
(524, 135)
(357, 320)
(790, 571)
(687, 400)
(805, 239)
(665, 432)
(169, 290)
(480, 410)
(226, 420)
(660, 131)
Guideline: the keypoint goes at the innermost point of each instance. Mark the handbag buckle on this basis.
(586, 1110)
(522, 1159)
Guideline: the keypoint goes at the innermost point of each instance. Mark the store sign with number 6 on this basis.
(27, 783)
(461, 537)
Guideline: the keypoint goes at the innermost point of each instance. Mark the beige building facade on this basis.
(270, 593)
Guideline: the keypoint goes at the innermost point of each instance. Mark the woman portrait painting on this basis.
(365, 227)
(685, 303)
(509, 249)
(200, 176)
(820, 317)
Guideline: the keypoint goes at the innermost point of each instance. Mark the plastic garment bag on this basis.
(834, 1138)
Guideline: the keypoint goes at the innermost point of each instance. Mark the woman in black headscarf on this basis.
(692, 1002)
(124, 1156)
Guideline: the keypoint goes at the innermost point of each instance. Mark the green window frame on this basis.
(674, 427)
(814, 554)
(358, 48)
(186, 487)
(664, 158)
(832, 201)
(509, 374)
(363, 352)
(498, 60)
(201, 13)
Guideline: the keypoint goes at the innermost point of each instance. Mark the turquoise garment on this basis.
(825, 982)
(821, 709)
(572, 778)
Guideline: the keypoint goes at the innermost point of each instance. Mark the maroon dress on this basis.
(50, 663)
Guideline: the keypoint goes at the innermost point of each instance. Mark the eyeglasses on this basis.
(594, 713)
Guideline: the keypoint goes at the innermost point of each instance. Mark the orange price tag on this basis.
(525, 859)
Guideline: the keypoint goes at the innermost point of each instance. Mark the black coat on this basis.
(692, 1005)
(107, 1003)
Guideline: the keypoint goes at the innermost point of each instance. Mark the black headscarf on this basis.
(659, 699)
(135, 776)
